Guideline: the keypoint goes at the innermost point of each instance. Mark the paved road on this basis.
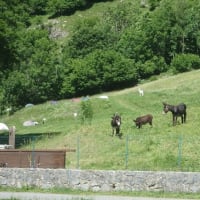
(44, 196)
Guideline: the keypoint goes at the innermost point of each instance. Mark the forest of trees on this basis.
(132, 41)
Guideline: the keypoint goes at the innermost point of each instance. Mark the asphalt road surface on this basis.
(47, 196)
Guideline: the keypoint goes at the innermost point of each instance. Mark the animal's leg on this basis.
(113, 132)
(150, 123)
(174, 120)
(120, 135)
(117, 130)
(184, 117)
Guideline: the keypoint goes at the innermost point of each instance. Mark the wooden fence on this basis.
(34, 159)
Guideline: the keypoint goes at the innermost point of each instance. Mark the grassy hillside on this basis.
(162, 147)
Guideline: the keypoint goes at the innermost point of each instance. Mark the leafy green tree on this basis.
(95, 33)
(98, 71)
(64, 7)
(13, 17)
(15, 90)
(38, 70)
(133, 44)
(2, 102)
(122, 16)
(6, 51)
(38, 7)
(82, 79)
(88, 36)
(184, 16)
(153, 4)
(68, 7)
(162, 33)
(174, 28)
(154, 66)
(118, 71)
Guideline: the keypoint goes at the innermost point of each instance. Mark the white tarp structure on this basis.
(29, 105)
(30, 123)
(3, 127)
(103, 97)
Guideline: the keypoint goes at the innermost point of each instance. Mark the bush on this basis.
(185, 62)
(151, 67)
(86, 110)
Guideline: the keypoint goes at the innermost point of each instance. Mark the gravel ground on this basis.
(45, 196)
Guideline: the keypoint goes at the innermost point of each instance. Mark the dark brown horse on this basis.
(116, 123)
(139, 121)
(177, 111)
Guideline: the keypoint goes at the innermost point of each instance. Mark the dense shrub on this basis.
(86, 110)
(185, 62)
(151, 67)
(99, 71)
(63, 7)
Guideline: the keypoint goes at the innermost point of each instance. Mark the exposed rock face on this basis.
(56, 29)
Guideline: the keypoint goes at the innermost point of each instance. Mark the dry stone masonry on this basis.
(97, 180)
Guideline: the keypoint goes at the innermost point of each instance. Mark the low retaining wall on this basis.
(97, 180)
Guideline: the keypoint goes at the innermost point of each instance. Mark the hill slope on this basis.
(162, 147)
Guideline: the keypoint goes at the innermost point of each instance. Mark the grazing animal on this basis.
(139, 121)
(116, 123)
(141, 92)
(44, 120)
(177, 111)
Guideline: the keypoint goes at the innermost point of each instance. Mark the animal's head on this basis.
(136, 122)
(117, 119)
(165, 108)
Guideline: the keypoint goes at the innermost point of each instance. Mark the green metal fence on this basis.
(147, 152)
(170, 152)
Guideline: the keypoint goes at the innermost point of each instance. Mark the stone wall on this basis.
(97, 180)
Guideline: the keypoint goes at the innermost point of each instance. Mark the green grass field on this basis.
(162, 147)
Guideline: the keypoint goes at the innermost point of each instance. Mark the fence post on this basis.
(180, 141)
(33, 153)
(77, 152)
(127, 151)
(12, 137)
